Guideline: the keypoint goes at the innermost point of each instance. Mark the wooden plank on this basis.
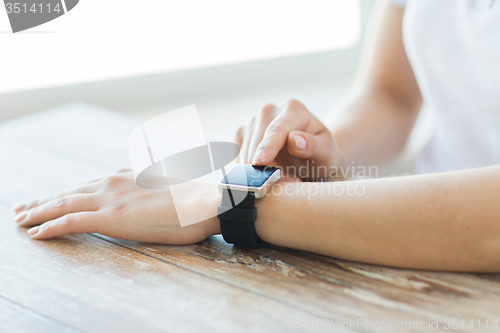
(93, 285)
(15, 318)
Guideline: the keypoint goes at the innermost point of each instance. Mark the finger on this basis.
(77, 223)
(56, 208)
(310, 146)
(86, 188)
(266, 115)
(247, 134)
(239, 136)
(294, 117)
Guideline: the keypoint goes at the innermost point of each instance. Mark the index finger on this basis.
(295, 117)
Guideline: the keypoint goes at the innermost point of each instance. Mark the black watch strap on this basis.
(237, 222)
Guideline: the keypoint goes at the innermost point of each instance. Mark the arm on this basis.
(445, 221)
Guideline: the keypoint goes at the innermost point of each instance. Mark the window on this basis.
(101, 40)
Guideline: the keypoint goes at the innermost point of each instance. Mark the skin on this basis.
(446, 221)
(115, 206)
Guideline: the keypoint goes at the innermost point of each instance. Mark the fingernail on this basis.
(33, 231)
(259, 156)
(300, 142)
(21, 216)
(18, 206)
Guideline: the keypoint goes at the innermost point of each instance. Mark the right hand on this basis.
(289, 136)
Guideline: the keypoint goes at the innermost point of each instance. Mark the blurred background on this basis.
(228, 57)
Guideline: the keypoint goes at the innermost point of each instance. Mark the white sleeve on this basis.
(400, 3)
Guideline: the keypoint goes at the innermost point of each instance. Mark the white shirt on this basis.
(454, 49)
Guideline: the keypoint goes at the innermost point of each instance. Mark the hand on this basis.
(115, 206)
(291, 137)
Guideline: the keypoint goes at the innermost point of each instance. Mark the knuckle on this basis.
(293, 112)
(61, 194)
(267, 111)
(60, 203)
(67, 221)
(296, 109)
(46, 227)
(294, 104)
(32, 212)
(275, 127)
(114, 180)
(123, 170)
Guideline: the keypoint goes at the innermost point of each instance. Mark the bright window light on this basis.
(101, 40)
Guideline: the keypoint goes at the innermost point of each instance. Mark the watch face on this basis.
(248, 175)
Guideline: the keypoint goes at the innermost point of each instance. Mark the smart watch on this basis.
(237, 213)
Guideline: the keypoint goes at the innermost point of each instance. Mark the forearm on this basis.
(443, 221)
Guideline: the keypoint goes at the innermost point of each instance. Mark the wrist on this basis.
(212, 198)
(265, 225)
(195, 204)
(212, 226)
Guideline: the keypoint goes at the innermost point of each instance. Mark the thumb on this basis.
(310, 146)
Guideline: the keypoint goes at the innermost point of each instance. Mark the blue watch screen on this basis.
(248, 175)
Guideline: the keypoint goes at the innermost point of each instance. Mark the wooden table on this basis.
(92, 283)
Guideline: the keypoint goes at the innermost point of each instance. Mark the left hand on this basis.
(115, 206)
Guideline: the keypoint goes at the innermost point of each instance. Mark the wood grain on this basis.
(335, 289)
